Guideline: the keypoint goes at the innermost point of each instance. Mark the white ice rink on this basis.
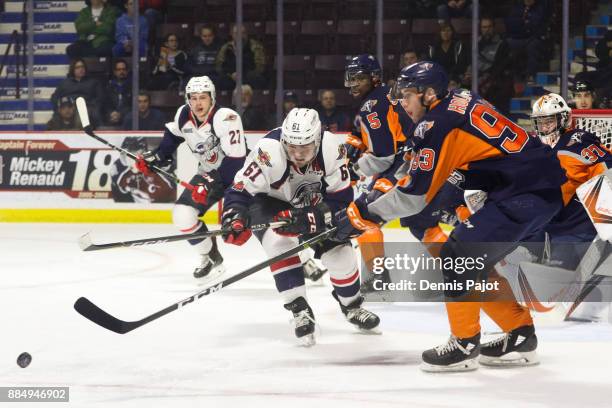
(235, 348)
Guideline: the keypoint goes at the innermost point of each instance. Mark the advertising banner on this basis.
(68, 167)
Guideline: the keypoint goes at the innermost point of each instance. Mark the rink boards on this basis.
(68, 177)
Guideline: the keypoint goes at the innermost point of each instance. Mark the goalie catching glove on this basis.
(302, 221)
(236, 222)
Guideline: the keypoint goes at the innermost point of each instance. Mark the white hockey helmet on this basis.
(301, 127)
(550, 116)
(199, 85)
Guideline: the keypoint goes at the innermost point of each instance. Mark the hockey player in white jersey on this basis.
(298, 174)
(215, 136)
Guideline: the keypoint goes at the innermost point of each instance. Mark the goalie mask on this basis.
(301, 135)
(200, 85)
(550, 116)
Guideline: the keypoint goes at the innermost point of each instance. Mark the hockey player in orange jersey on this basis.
(372, 148)
(460, 133)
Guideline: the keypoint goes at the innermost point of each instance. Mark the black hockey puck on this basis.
(24, 360)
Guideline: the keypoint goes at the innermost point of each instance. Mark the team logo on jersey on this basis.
(368, 105)
(576, 138)
(263, 157)
(422, 128)
(307, 195)
(341, 152)
(230, 117)
(456, 178)
(188, 130)
(239, 186)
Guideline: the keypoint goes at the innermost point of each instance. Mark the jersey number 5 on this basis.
(494, 125)
(373, 120)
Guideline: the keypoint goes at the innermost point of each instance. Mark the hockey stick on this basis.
(92, 312)
(84, 116)
(86, 244)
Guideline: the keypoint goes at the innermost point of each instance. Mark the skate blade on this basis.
(467, 365)
(214, 273)
(370, 332)
(308, 340)
(514, 359)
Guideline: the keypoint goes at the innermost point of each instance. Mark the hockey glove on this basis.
(354, 221)
(354, 148)
(300, 221)
(236, 223)
(200, 191)
(147, 159)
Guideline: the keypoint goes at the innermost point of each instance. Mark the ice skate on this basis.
(516, 348)
(366, 321)
(304, 321)
(455, 355)
(211, 265)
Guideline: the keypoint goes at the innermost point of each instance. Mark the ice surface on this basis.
(235, 348)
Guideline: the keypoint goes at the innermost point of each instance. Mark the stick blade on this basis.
(85, 242)
(82, 109)
(90, 311)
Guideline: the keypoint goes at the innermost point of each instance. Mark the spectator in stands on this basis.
(78, 84)
(449, 52)
(253, 117)
(492, 49)
(153, 11)
(526, 28)
(332, 118)
(118, 95)
(123, 33)
(584, 95)
(495, 78)
(95, 26)
(201, 57)
(409, 57)
(290, 101)
(253, 62)
(454, 8)
(65, 118)
(148, 118)
(170, 68)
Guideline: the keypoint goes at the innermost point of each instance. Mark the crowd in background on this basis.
(104, 29)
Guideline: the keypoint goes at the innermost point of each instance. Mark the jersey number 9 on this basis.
(494, 125)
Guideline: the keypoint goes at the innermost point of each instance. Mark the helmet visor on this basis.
(547, 128)
(355, 77)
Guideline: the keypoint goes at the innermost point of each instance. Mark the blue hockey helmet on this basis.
(364, 64)
(421, 75)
